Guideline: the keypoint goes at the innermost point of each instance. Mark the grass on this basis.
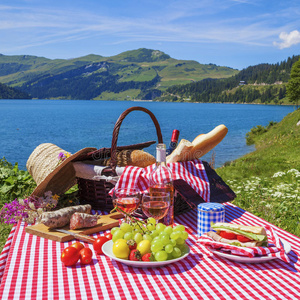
(14, 183)
(128, 95)
(266, 181)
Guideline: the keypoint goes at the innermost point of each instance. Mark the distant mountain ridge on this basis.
(263, 83)
(137, 74)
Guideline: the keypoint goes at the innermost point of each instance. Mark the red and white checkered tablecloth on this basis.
(30, 268)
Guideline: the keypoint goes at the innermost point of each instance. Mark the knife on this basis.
(78, 236)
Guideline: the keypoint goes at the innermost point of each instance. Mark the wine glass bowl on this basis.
(126, 199)
(156, 206)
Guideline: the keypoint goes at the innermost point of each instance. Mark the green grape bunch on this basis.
(167, 242)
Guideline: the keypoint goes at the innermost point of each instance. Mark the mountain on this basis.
(263, 83)
(7, 92)
(137, 74)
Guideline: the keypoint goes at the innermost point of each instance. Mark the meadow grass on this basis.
(267, 181)
(275, 199)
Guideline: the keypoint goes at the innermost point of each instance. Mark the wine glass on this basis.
(127, 199)
(156, 206)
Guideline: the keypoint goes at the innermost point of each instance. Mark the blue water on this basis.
(73, 125)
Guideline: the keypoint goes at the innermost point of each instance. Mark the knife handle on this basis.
(84, 238)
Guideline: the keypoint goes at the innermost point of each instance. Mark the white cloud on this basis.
(288, 39)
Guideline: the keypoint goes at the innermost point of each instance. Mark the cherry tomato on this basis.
(147, 257)
(227, 235)
(78, 246)
(86, 255)
(121, 249)
(131, 244)
(135, 255)
(243, 239)
(108, 236)
(97, 245)
(144, 247)
(70, 256)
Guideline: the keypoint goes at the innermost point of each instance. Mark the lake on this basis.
(75, 124)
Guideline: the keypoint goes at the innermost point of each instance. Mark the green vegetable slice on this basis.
(250, 235)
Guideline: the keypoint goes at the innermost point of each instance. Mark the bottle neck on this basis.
(160, 154)
(175, 136)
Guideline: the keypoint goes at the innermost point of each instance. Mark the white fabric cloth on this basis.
(88, 170)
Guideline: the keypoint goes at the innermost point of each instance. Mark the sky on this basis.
(232, 33)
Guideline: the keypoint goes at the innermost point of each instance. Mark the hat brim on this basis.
(62, 178)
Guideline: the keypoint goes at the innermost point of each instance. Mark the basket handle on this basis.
(113, 161)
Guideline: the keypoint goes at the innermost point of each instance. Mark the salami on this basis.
(82, 220)
(61, 217)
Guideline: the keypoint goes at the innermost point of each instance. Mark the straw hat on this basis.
(52, 169)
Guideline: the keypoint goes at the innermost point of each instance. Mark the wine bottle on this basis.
(174, 141)
(161, 181)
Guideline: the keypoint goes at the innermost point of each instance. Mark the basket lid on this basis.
(211, 207)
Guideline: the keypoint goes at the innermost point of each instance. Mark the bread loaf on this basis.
(182, 152)
(203, 143)
(141, 159)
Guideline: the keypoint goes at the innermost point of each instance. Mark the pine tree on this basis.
(293, 86)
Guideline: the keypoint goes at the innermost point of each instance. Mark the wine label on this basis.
(160, 155)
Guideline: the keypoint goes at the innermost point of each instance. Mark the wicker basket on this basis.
(95, 192)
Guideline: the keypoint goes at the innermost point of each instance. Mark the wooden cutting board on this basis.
(104, 222)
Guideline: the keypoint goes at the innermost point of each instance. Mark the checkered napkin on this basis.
(275, 250)
(192, 172)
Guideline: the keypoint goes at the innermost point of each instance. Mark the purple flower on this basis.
(12, 212)
(61, 155)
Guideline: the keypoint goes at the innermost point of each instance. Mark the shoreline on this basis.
(150, 101)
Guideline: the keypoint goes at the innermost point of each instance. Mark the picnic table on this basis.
(30, 268)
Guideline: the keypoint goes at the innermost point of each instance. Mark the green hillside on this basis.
(147, 71)
(7, 92)
(267, 181)
(263, 84)
(277, 149)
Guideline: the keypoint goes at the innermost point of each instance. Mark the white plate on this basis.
(107, 250)
(256, 259)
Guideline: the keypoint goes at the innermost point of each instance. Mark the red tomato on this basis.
(86, 255)
(147, 257)
(227, 235)
(97, 245)
(70, 256)
(78, 246)
(108, 236)
(243, 239)
(135, 255)
(131, 244)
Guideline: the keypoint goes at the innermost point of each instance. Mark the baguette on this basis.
(181, 153)
(203, 143)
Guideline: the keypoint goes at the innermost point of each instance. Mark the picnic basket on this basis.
(96, 192)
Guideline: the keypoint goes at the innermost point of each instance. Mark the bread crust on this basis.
(203, 143)
(182, 152)
(141, 159)
(253, 229)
